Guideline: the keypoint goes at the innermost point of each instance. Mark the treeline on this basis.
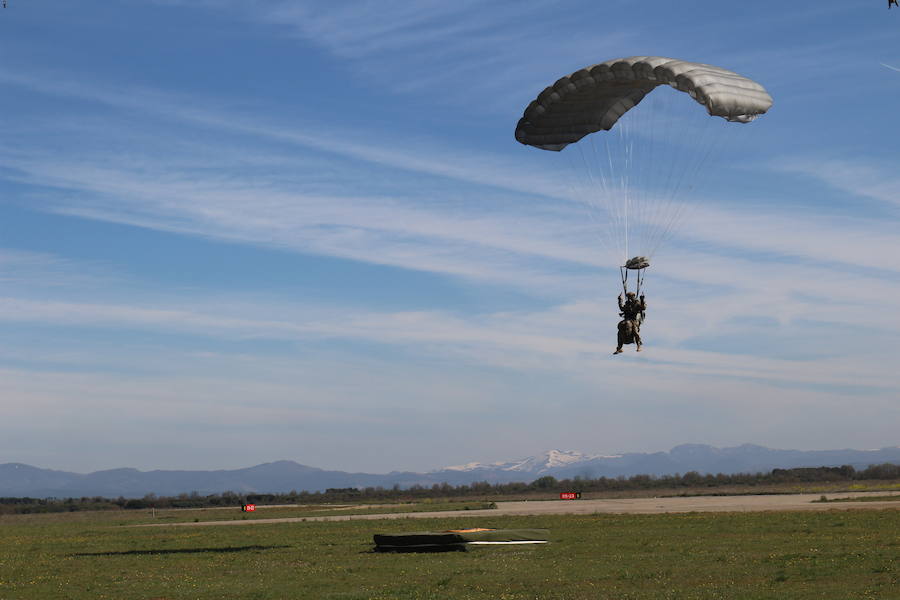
(47, 505)
(546, 485)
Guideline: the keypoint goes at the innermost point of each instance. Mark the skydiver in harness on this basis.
(632, 313)
(893, 3)
(632, 310)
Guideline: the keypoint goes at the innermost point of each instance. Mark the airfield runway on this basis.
(781, 502)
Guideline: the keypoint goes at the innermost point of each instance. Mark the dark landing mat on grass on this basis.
(455, 540)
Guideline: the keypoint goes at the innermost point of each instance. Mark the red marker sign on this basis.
(569, 495)
(248, 507)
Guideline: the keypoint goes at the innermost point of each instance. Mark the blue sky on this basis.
(234, 232)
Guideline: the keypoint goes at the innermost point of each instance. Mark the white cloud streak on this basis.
(555, 339)
(873, 179)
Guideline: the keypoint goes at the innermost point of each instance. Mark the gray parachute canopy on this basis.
(593, 98)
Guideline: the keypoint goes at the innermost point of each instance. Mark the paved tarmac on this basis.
(781, 502)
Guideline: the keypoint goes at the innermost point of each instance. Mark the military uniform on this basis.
(631, 311)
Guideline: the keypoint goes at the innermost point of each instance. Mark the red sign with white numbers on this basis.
(248, 507)
(569, 495)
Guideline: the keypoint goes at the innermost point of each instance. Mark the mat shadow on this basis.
(178, 551)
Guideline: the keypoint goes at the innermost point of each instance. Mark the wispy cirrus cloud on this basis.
(876, 179)
(450, 52)
(411, 154)
(40, 270)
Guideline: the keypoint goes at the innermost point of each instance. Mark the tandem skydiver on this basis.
(632, 313)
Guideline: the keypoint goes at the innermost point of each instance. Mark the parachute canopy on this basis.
(594, 98)
(635, 175)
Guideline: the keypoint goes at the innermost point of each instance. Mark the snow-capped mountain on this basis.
(542, 463)
(747, 458)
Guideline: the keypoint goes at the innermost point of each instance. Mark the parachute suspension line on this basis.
(666, 201)
(637, 126)
(711, 143)
(617, 206)
(629, 176)
(681, 205)
(617, 198)
(629, 187)
(609, 198)
(644, 135)
(657, 137)
(626, 181)
(638, 194)
(590, 197)
(651, 118)
(579, 189)
(675, 202)
(632, 174)
(672, 135)
(611, 229)
(627, 202)
(592, 189)
(685, 167)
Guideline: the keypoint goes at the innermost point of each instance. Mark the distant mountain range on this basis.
(18, 480)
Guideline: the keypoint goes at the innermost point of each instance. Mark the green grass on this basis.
(838, 555)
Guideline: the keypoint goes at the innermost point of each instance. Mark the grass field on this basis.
(840, 555)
